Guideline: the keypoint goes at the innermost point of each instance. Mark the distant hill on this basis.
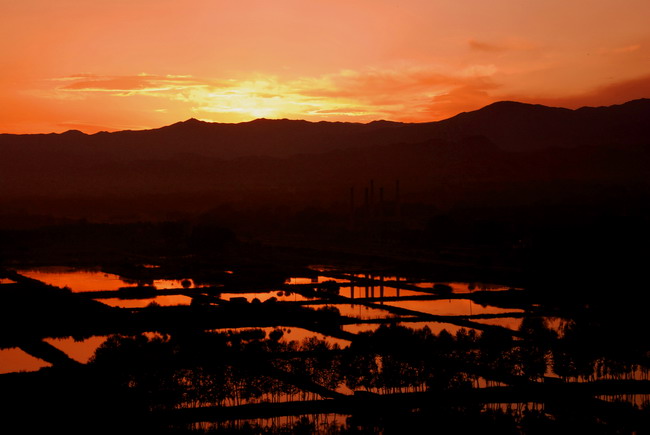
(509, 125)
(506, 153)
(519, 127)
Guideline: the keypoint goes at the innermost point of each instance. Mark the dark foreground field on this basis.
(343, 337)
(480, 274)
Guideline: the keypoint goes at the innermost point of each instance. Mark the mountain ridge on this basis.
(504, 155)
(489, 107)
(511, 126)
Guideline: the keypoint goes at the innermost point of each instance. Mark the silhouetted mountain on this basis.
(518, 126)
(509, 125)
(506, 152)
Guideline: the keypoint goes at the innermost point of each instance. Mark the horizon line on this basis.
(192, 119)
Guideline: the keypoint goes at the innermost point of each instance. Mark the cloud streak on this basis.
(405, 94)
(484, 46)
(399, 94)
(137, 84)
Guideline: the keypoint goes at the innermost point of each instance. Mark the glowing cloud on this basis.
(407, 94)
(224, 61)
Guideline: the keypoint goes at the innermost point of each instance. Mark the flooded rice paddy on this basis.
(15, 360)
(350, 291)
(320, 338)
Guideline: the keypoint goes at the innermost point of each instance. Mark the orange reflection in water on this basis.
(361, 311)
(451, 307)
(513, 323)
(15, 360)
(264, 296)
(462, 287)
(435, 327)
(281, 424)
(296, 334)
(315, 280)
(163, 301)
(173, 283)
(92, 280)
(361, 327)
(376, 292)
(76, 280)
(80, 351)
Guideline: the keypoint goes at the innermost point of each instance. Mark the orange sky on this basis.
(133, 64)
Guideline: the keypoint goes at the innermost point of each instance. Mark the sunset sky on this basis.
(135, 64)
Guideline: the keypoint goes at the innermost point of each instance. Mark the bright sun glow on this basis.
(76, 64)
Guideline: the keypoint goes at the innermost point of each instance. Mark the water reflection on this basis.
(361, 311)
(312, 423)
(16, 360)
(280, 295)
(460, 287)
(83, 280)
(434, 327)
(376, 292)
(640, 401)
(517, 410)
(174, 283)
(75, 279)
(297, 335)
(81, 351)
(549, 345)
(557, 324)
(162, 301)
(314, 280)
(233, 367)
(451, 307)
(437, 327)
(356, 328)
(513, 323)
